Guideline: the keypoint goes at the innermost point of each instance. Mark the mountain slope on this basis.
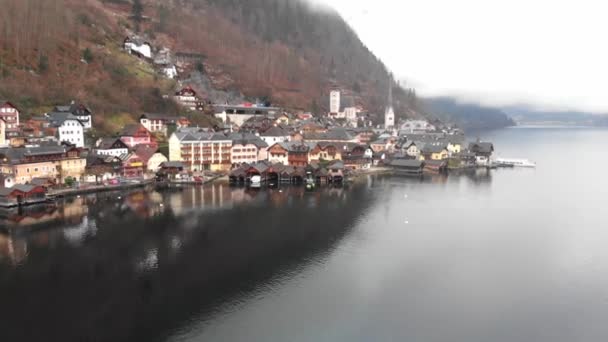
(470, 117)
(282, 51)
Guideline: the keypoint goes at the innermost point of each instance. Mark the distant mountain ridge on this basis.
(468, 116)
(524, 115)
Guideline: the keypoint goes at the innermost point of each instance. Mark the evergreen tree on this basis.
(137, 11)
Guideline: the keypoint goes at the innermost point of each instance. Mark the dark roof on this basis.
(157, 116)
(57, 119)
(130, 130)
(275, 131)
(433, 148)
(481, 147)
(406, 163)
(144, 152)
(74, 108)
(107, 143)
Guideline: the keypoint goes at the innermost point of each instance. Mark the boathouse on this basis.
(22, 194)
(407, 167)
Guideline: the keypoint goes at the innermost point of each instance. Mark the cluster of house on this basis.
(52, 148)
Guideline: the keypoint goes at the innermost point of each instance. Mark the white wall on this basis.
(72, 131)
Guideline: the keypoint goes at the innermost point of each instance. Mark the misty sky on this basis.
(553, 54)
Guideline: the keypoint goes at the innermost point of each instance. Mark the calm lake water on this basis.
(507, 255)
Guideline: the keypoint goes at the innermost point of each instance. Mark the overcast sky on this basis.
(550, 53)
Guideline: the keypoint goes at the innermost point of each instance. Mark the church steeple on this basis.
(389, 113)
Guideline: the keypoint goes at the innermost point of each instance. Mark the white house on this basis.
(80, 111)
(334, 101)
(111, 147)
(136, 46)
(275, 134)
(69, 128)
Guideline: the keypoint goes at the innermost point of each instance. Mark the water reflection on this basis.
(139, 265)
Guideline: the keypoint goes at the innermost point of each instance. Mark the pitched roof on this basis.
(406, 163)
(107, 143)
(481, 147)
(144, 152)
(57, 119)
(131, 129)
(433, 148)
(275, 131)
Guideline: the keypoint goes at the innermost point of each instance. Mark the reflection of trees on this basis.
(194, 263)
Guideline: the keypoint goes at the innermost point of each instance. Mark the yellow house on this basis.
(434, 152)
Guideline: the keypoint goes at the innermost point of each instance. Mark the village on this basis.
(51, 154)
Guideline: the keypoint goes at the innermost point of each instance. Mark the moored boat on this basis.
(511, 162)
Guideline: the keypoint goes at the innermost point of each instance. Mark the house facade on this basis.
(201, 150)
(188, 98)
(278, 153)
(133, 135)
(111, 147)
(69, 128)
(10, 114)
(159, 123)
(54, 162)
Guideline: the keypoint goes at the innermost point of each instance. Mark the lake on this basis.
(501, 255)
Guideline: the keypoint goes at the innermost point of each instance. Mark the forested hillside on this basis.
(283, 51)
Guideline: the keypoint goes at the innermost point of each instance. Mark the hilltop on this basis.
(278, 51)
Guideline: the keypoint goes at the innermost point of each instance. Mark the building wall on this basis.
(154, 125)
(116, 152)
(273, 140)
(10, 116)
(155, 161)
(334, 101)
(244, 154)
(74, 168)
(24, 173)
(203, 155)
(2, 133)
(72, 131)
(174, 149)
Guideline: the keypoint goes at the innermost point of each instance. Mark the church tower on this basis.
(389, 113)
